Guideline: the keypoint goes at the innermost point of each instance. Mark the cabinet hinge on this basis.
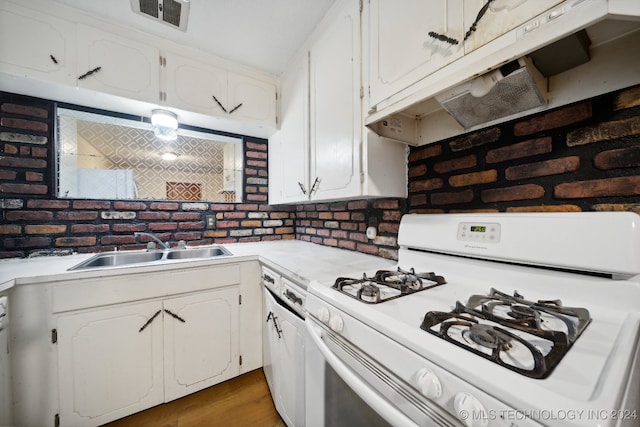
(54, 336)
(361, 177)
(56, 420)
(240, 360)
(361, 92)
(239, 299)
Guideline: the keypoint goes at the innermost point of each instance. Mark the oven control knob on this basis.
(323, 314)
(336, 324)
(428, 383)
(470, 411)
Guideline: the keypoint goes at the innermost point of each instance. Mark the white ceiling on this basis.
(263, 34)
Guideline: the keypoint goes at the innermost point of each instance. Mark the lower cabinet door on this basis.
(200, 341)
(110, 363)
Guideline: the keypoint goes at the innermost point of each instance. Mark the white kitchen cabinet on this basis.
(401, 51)
(36, 45)
(289, 147)
(500, 17)
(322, 151)
(120, 360)
(335, 123)
(200, 341)
(251, 100)
(196, 85)
(108, 368)
(117, 65)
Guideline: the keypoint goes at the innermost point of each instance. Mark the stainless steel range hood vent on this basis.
(171, 12)
(510, 89)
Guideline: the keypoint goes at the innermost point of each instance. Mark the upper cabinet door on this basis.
(500, 17)
(193, 85)
(198, 86)
(251, 100)
(36, 45)
(289, 147)
(335, 113)
(401, 49)
(126, 68)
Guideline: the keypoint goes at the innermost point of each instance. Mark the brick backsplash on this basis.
(581, 157)
(33, 219)
(344, 225)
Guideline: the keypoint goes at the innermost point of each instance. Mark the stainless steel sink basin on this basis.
(207, 252)
(115, 259)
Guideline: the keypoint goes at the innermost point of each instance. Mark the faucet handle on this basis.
(182, 244)
(151, 246)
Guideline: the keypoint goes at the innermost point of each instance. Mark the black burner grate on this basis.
(492, 325)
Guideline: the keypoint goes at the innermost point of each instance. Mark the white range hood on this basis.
(602, 37)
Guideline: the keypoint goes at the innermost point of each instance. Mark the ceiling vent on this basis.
(171, 12)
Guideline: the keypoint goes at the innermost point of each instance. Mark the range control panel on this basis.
(479, 232)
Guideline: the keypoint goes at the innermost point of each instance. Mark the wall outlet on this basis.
(210, 221)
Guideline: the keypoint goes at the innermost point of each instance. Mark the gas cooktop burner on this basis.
(386, 285)
(525, 336)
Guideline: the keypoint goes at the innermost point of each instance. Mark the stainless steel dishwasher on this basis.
(284, 340)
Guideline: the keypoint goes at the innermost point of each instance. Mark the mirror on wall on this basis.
(114, 158)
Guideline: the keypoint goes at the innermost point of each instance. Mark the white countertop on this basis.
(302, 261)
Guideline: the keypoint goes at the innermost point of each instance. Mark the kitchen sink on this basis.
(115, 259)
(207, 252)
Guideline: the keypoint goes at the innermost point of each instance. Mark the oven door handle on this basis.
(387, 411)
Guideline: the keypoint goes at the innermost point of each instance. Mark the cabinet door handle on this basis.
(275, 323)
(314, 187)
(293, 297)
(53, 58)
(481, 13)
(175, 316)
(88, 73)
(235, 108)
(443, 38)
(219, 103)
(269, 279)
(304, 190)
(151, 319)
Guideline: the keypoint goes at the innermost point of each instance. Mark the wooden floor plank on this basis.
(241, 401)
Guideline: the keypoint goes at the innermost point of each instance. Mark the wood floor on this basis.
(239, 402)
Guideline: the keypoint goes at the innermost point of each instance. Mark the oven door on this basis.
(346, 387)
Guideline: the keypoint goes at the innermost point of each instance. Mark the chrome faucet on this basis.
(152, 236)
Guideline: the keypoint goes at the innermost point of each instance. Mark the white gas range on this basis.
(516, 320)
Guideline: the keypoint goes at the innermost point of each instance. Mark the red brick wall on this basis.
(33, 219)
(582, 157)
(344, 225)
